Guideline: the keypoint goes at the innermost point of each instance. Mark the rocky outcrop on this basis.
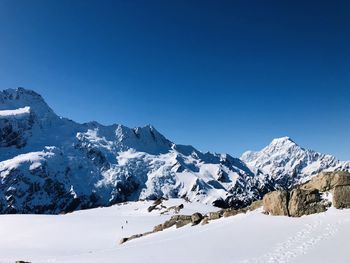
(341, 196)
(328, 180)
(307, 198)
(195, 219)
(214, 215)
(276, 203)
(305, 202)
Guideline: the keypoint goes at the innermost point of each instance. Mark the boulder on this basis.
(327, 180)
(341, 196)
(196, 218)
(184, 217)
(255, 205)
(305, 202)
(214, 215)
(169, 223)
(181, 223)
(178, 208)
(205, 220)
(151, 208)
(276, 203)
(158, 228)
(157, 202)
(230, 212)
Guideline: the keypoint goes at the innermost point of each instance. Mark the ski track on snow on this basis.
(298, 244)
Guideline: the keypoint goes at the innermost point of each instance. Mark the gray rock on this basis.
(157, 202)
(214, 215)
(151, 208)
(169, 223)
(181, 223)
(196, 218)
(205, 221)
(158, 228)
(341, 196)
(122, 241)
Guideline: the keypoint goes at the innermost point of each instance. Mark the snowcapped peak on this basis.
(286, 161)
(283, 140)
(13, 99)
(281, 145)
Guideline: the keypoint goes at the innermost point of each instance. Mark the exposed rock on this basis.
(230, 212)
(276, 203)
(178, 208)
(175, 208)
(184, 217)
(305, 202)
(205, 221)
(151, 208)
(123, 240)
(157, 202)
(255, 205)
(158, 228)
(169, 223)
(181, 223)
(215, 215)
(341, 196)
(146, 233)
(196, 218)
(328, 180)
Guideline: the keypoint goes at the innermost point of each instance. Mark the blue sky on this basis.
(224, 76)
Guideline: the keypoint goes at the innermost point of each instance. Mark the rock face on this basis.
(305, 202)
(338, 183)
(306, 199)
(328, 180)
(341, 196)
(276, 203)
(295, 203)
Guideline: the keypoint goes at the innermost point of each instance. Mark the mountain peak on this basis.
(282, 140)
(13, 99)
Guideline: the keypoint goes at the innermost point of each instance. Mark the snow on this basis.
(15, 113)
(93, 236)
(284, 159)
(115, 163)
(34, 158)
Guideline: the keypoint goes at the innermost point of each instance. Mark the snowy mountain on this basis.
(50, 164)
(288, 163)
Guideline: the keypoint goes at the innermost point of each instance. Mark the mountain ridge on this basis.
(50, 164)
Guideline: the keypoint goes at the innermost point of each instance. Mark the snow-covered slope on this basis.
(93, 236)
(50, 164)
(288, 163)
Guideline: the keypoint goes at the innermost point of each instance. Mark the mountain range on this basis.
(50, 164)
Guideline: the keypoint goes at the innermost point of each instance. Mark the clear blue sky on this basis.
(224, 76)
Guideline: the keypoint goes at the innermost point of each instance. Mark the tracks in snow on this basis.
(299, 243)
